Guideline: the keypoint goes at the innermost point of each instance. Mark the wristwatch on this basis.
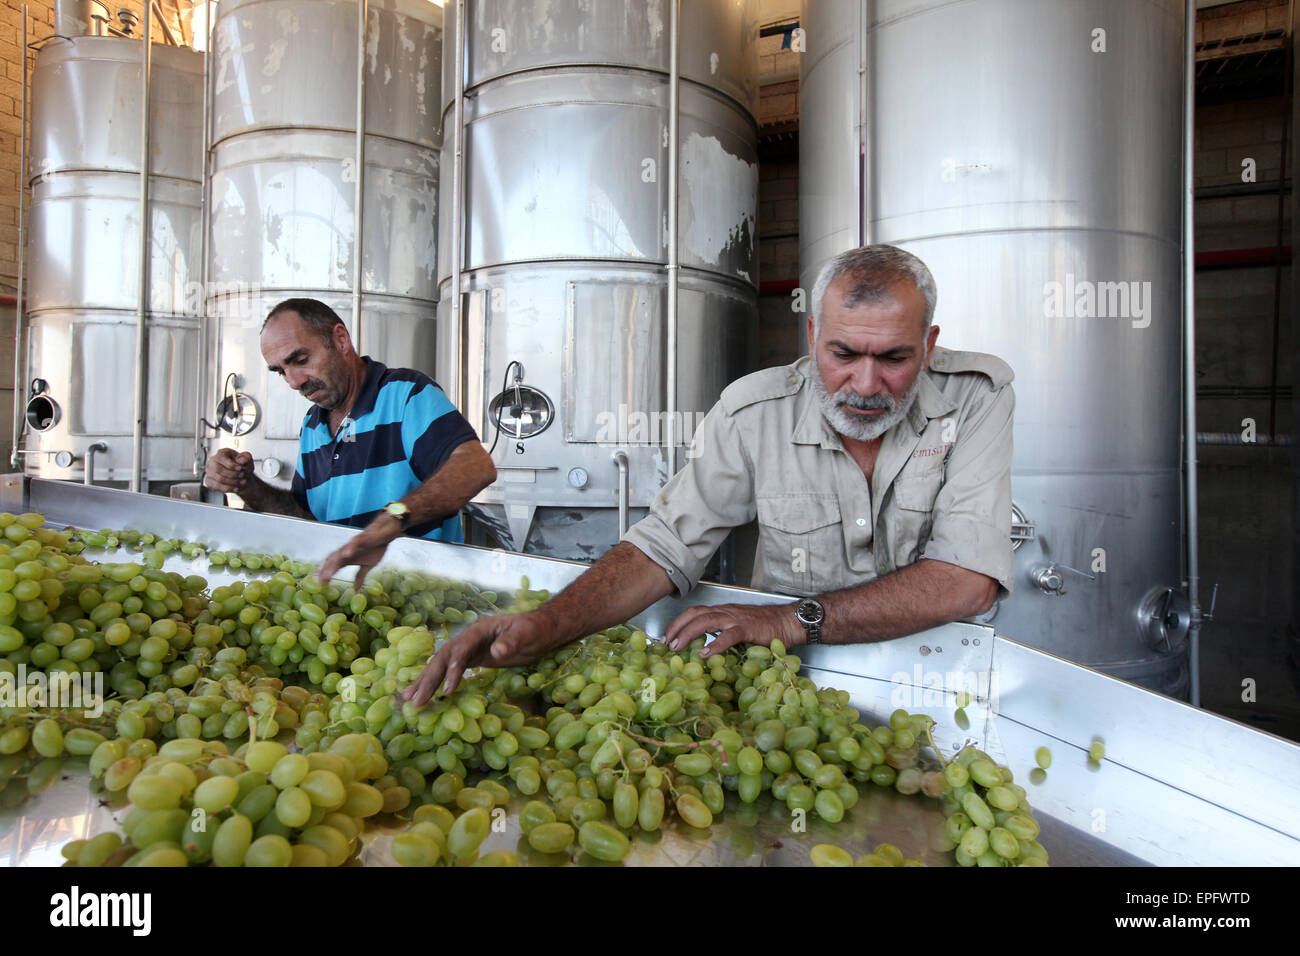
(811, 615)
(399, 511)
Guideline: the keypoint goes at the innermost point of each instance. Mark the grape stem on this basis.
(929, 735)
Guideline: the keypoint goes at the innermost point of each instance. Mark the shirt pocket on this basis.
(801, 543)
(911, 518)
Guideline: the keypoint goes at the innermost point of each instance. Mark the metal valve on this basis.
(1165, 617)
(1051, 581)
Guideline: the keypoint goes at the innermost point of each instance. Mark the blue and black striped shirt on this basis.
(401, 429)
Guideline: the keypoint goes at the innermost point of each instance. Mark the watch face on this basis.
(810, 612)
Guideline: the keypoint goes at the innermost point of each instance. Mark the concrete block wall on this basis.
(780, 329)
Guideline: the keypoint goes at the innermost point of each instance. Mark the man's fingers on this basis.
(330, 566)
(428, 681)
(456, 665)
(727, 639)
(683, 624)
(362, 570)
(703, 621)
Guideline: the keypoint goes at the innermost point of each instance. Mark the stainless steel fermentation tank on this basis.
(567, 346)
(1040, 181)
(83, 274)
(286, 98)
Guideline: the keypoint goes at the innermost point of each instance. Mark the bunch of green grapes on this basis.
(19, 529)
(228, 709)
(988, 817)
(253, 562)
(743, 721)
(194, 803)
(34, 743)
(292, 626)
(885, 854)
(437, 838)
(634, 734)
(154, 548)
(74, 617)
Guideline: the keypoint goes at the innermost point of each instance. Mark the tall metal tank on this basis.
(561, 357)
(1040, 182)
(283, 193)
(83, 273)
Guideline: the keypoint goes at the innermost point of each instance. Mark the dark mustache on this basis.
(313, 385)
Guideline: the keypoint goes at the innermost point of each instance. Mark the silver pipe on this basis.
(89, 477)
(458, 213)
(1234, 438)
(72, 18)
(208, 357)
(142, 313)
(674, 108)
(866, 231)
(624, 492)
(359, 204)
(783, 77)
(162, 24)
(1189, 347)
(20, 309)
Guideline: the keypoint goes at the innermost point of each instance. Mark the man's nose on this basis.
(866, 377)
(295, 378)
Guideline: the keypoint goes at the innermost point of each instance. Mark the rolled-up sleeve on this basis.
(972, 513)
(692, 514)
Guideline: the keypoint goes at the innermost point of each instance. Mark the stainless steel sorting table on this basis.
(1178, 785)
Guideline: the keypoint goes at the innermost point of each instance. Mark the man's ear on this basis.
(812, 341)
(340, 338)
(930, 339)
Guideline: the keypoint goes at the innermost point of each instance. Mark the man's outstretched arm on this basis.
(622, 584)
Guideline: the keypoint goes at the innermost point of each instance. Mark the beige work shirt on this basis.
(940, 490)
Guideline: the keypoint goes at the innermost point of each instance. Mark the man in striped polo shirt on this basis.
(381, 449)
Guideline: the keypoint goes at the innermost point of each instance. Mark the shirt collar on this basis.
(812, 428)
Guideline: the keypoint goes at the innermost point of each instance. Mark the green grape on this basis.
(47, 738)
(985, 773)
(650, 812)
(551, 837)
(978, 811)
(696, 813)
(1004, 843)
(1043, 757)
(1097, 750)
(603, 841)
(975, 841)
(469, 831)
(232, 841)
(825, 854)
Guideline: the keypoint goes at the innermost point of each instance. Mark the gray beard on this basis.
(853, 426)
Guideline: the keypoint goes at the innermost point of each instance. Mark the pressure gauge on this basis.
(64, 459)
(578, 477)
(271, 467)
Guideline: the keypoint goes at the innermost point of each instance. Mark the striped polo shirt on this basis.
(399, 432)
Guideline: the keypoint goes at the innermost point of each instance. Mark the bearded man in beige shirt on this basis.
(878, 467)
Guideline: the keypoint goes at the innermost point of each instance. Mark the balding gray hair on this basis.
(873, 271)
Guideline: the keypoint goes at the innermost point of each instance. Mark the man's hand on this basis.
(505, 640)
(365, 550)
(229, 471)
(735, 624)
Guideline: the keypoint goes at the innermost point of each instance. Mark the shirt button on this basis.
(861, 522)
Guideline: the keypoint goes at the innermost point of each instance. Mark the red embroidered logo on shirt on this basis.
(930, 452)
